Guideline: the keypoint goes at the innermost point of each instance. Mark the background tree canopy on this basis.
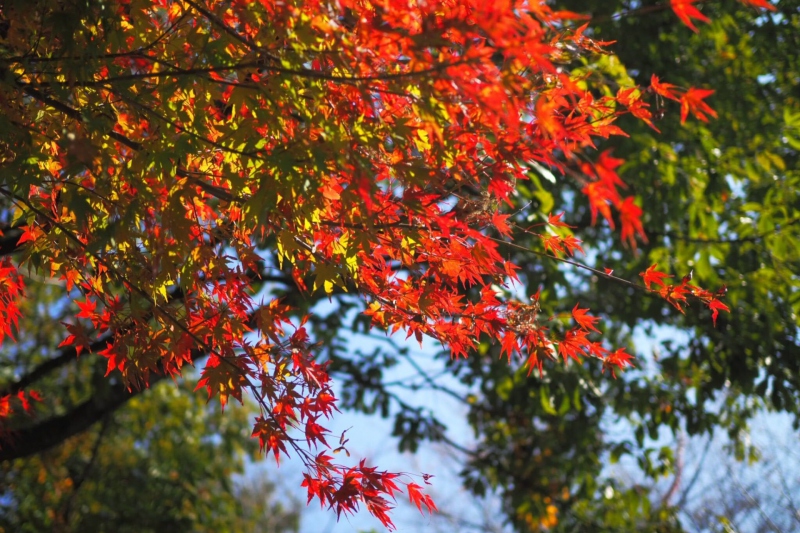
(216, 169)
(721, 203)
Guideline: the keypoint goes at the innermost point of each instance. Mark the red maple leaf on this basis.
(651, 275)
(664, 89)
(600, 196)
(539, 349)
(509, 344)
(585, 321)
(759, 3)
(30, 234)
(419, 499)
(676, 294)
(630, 216)
(686, 12)
(692, 101)
(606, 166)
(87, 308)
(573, 344)
(631, 97)
(499, 222)
(116, 360)
(619, 359)
(716, 306)
(76, 338)
(572, 244)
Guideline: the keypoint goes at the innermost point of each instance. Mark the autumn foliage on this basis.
(156, 151)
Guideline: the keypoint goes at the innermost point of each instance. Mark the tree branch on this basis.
(77, 115)
(221, 24)
(53, 431)
(8, 241)
(67, 355)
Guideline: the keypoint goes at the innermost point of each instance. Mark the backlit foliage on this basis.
(155, 153)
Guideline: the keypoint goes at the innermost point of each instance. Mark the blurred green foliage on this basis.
(720, 199)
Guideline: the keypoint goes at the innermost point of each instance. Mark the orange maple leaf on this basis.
(555, 220)
(599, 196)
(552, 243)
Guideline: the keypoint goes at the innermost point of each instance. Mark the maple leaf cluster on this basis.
(602, 191)
(11, 403)
(676, 294)
(12, 287)
(372, 145)
(691, 99)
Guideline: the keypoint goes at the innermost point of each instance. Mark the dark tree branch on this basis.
(40, 437)
(77, 115)
(221, 24)
(260, 65)
(9, 240)
(66, 355)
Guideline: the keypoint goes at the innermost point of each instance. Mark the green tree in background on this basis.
(720, 202)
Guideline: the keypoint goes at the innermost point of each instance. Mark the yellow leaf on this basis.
(423, 144)
(328, 287)
(162, 290)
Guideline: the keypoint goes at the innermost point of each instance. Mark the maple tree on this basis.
(174, 164)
